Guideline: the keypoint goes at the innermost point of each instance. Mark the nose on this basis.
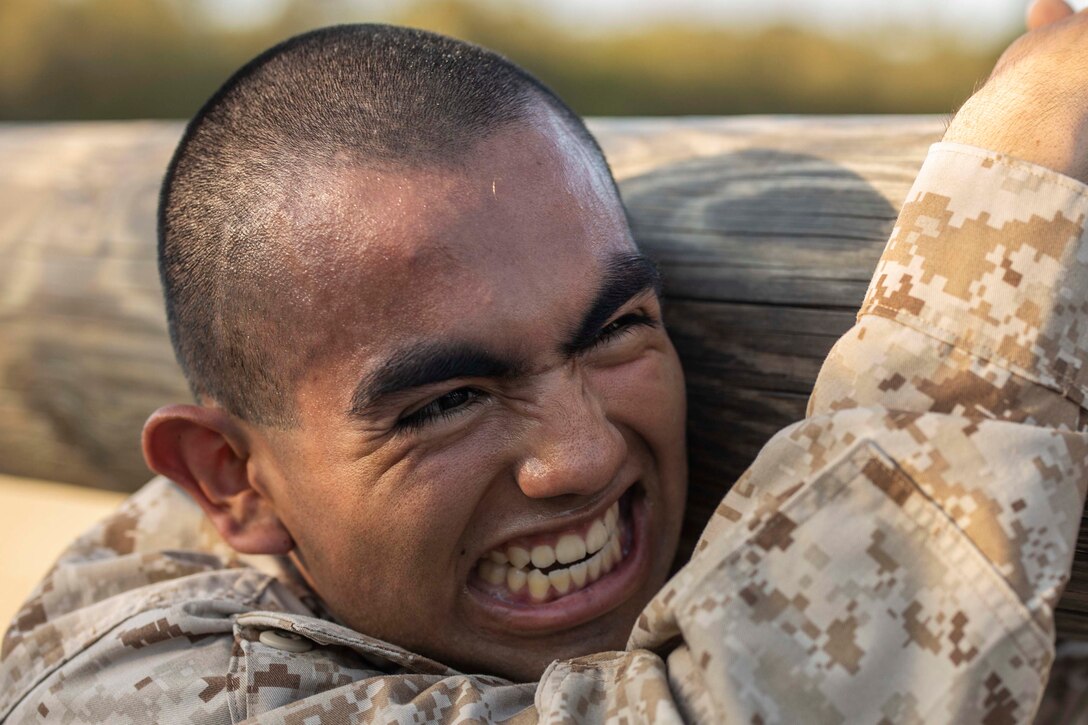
(571, 447)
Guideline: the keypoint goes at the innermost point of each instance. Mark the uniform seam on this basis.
(846, 463)
(289, 620)
(1060, 384)
(1006, 590)
(1008, 161)
(59, 664)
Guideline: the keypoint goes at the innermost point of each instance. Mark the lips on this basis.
(496, 606)
(558, 564)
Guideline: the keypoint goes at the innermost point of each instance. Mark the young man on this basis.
(439, 430)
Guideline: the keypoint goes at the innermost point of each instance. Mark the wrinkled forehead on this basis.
(529, 212)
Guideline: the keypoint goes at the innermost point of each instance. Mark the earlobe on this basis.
(203, 450)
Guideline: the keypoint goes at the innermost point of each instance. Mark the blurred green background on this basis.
(98, 59)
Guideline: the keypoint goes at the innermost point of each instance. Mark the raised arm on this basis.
(899, 553)
(896, 556)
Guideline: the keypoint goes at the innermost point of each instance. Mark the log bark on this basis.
(766, 229)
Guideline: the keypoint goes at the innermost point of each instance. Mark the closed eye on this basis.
(460, 400)
(621, 326)
(444, 407)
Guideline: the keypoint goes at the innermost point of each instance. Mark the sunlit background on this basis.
(122, 59)
(96, 59)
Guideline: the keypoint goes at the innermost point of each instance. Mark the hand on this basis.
(1045, 12)
(1035, 104)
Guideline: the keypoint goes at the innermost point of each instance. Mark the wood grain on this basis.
(83, 352)
(766, 230)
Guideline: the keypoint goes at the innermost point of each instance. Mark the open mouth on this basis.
(563, 567)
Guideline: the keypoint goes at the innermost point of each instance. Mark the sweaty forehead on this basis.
(528, 213)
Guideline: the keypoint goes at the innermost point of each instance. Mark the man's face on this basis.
(494, 385)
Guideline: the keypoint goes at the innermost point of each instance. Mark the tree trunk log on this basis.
(766, 229)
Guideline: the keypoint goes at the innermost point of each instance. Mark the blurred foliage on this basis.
(85, 59)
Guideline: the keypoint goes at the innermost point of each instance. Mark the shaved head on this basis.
(253, 166)
(402, 282)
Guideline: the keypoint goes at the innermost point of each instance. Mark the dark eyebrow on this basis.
(426, 363)
(626, 276)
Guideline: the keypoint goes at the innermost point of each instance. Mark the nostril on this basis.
(579, 462)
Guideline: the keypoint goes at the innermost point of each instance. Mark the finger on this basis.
(1045, 12)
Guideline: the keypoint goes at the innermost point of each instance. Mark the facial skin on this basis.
(494, 371)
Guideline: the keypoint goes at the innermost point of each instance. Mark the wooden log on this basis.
(766, 229)
(83, 352)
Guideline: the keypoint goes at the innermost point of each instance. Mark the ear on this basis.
(203, 450)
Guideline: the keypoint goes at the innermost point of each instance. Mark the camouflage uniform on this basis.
(894, 557)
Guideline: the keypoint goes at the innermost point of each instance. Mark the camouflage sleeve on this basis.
(896, 556)
(150, 618)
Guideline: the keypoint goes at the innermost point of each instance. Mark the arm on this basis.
(896, 553)
(899, 552)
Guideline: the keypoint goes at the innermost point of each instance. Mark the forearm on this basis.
(911, 537)
(1034, 105)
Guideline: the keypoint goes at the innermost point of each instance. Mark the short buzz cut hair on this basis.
(364, 93)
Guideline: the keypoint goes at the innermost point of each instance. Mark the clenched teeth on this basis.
(538, 585)
(590, 556)
(491, 572)
(515, 579)
(596, 537)
(560, 580)
(578, 574)
(518, 556)
(543, 556)
(570, 547)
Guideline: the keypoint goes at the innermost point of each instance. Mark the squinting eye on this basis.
(443, 407)
(622, 326)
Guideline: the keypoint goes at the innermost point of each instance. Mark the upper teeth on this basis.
(571, 547)
(511, 565)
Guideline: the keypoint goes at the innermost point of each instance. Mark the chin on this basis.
(572, 609)
(527, 661)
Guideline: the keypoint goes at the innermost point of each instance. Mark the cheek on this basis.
(648, 398)
(648, 395)
(404, 517)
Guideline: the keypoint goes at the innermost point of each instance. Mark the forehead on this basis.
(526, 219)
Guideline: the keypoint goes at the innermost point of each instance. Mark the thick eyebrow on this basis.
(626, 276)
(424, 364)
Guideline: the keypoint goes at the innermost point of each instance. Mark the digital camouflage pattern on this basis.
(895, 557)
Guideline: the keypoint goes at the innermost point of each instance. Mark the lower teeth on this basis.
(558, 582)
